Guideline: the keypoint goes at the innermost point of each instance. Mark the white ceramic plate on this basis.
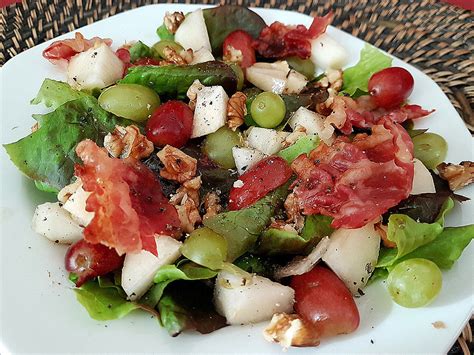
(39, 312)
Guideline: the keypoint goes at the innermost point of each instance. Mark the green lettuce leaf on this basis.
(167, 274)
(409, 235)
(242, 228)
(446, 248)
(356, 78)
(163, 33)
(103, 303)
(316, 227)
(54, 93)
(304, 145)
(48, 154)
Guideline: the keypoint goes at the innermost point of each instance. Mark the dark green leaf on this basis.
(141, 50)
(242, 228)
(222, 20)
(316, 227)
(276, 241)
(256, 264)
(187, 305)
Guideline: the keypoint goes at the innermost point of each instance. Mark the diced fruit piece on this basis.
(353, 268)
(326, 53)
(309, 120)
(76, 206)
(140, 268)
(55, 223)
(95, 68)
(323, 300)
(244, 301)
(210, 112)
(276, 77)
(390, 87)
(266, 140)
(192, 33)
(132, 101)
(241, 41)
(267, 175)
(202, 55)
(245, 158)
(88, 260)
(171, 123)
(218, 146)
(268, 110)
(422, 180)
(414, 282)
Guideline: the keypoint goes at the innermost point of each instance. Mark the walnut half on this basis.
(457, 176)
(178, 165)
(290, 330)
(173, 21)
(236, 110)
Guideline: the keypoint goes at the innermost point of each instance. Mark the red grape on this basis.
(240, 40)
(88, 260)
(390, 87)
(171, 123)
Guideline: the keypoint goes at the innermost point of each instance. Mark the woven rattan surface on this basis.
(436, 37)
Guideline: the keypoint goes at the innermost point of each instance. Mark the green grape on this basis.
(414, 282)
(159, 47)
(206, 248)
(430, 148)
(268, 110)
(303, 66)
(132, 101)
(218, 146)
(240, 75)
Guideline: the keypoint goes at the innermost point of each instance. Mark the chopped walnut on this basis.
(457, 176)
(290, 330)
(293, 212)
(283, 226)
(68, 190)
(178, 165)
(236, 110)
(193, 92)
(35, 127)
(291, 139)
(212, 205)
(126, 142)
(173, 21)
(233, 55)
(382, 231)
(191, 188)
(173, 57)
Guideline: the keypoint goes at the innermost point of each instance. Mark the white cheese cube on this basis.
(210, 113)
(95, 68)
(192, 33)
(55, 223)
(309, 120)
(245, 158)
(266, 140)
(243, 301)
(139, 269)
(76, 206)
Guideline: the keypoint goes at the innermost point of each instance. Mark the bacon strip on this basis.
(356, 182)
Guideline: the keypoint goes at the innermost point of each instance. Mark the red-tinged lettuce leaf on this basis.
(222, 20)
(187, 305)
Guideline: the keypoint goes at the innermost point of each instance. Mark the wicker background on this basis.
(437, 38)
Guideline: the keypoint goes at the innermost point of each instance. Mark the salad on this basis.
(238, 172)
